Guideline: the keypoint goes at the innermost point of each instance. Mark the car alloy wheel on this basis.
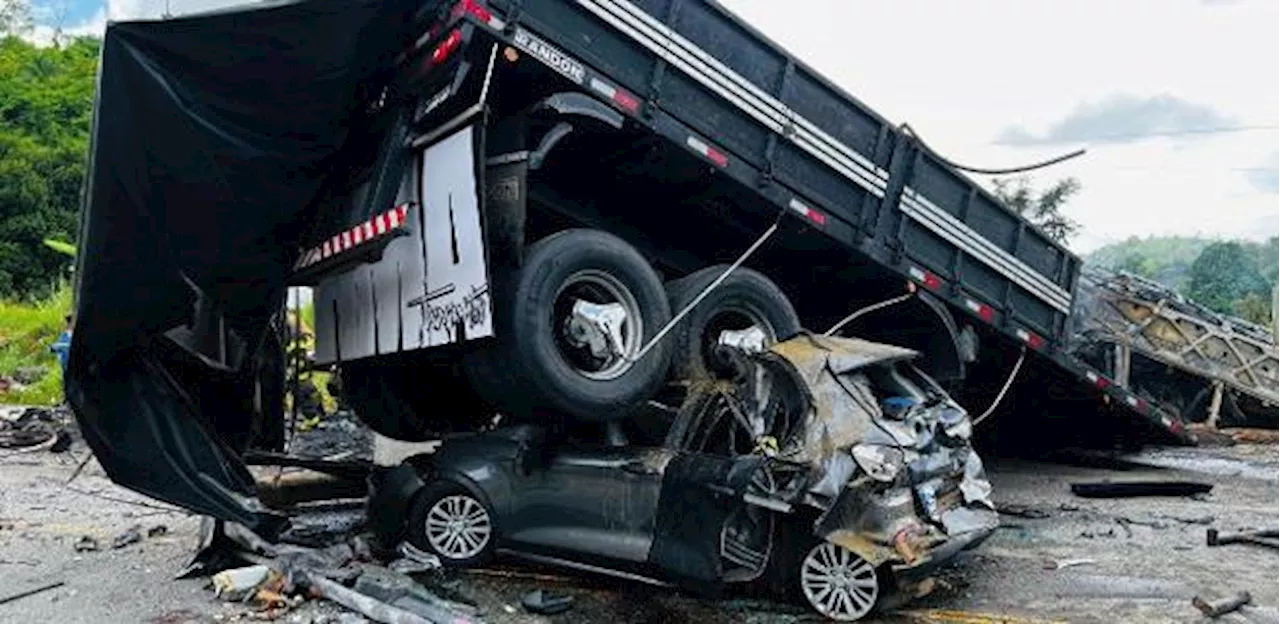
(839, 584)
(458, 527)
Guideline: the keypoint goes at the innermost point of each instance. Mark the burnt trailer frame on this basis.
(698, 76)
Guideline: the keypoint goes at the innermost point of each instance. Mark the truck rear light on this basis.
(446, 47)
(471, 7)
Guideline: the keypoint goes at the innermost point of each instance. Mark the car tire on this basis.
(463, 544)
(534, 365)
(744, 298)
(838, 584)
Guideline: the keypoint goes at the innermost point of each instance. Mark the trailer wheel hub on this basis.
(601, 326)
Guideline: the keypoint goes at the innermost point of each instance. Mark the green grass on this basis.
(26, 331)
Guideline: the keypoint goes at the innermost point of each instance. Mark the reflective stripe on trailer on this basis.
(984, 311)
(807, 212)
(710, 153)
(360, 234)
(929, 280)
(617, 95)
(1097, 380)
(1033, 340)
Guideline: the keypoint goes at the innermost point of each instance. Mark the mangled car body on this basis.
(829, 468)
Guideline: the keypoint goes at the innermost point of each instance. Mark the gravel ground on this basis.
(1143, 559)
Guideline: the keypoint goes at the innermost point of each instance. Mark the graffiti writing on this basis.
(471, 310)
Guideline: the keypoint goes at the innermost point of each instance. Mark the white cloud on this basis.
(961, 73)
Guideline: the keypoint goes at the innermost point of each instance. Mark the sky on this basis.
(1177, 102)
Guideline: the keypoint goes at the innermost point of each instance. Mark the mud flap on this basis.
(699, 495)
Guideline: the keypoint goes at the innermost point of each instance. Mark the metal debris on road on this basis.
(87, 543)
(157, 530)
(1264, 537)
(132, 535)
(1068, 563)
(542, 602)
(1222, 606)
(31, 592)
(1021, 511)
(1127, 489)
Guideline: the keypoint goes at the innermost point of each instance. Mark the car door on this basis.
(590, 502)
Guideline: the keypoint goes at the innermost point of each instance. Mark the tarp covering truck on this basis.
(502, 206)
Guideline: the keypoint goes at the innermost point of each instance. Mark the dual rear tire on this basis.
(577, 315)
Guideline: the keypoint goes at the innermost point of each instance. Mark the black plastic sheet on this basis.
(215, 141)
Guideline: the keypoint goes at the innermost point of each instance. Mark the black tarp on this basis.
(214, 140)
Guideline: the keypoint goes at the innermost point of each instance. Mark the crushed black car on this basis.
(829, 469)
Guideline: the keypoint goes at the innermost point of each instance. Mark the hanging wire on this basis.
(1013, 374)
(906, 129)
(867, 310)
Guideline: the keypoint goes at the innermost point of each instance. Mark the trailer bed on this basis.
(693, 72)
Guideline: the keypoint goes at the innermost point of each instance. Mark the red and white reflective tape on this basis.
(710, 153)
(618, 96)
(356, 236)
(807, 212)
(479, 11)
(929, 280)
(1136, 403)
(1034, 341)
(1097, 380)
(984, 311)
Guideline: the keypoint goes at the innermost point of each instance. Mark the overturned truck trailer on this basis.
(1201, 365)
(554, 210)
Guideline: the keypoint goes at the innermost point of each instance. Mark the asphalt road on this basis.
(1122, 560)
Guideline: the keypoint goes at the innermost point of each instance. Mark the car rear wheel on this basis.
(576, 316)
(838, 584)
(746, 309)
(451, 523)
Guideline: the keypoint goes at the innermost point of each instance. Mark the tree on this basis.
(15, 18)
(1043, 209)
(1222, 275)
(46, 103)
(1254, 308)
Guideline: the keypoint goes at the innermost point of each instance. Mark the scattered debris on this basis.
(132, 535)
(1190, 520)
(31, 592)
(1067, 563)
(542, 602)
(1222, 606)
(1126, 489)
(240, 583)
(1264, 537)
(87, 543)
(1154, 524)
(372, 608)
(1021, 511)
(1253, 436)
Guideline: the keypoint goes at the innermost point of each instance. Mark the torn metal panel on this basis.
(1118, 313)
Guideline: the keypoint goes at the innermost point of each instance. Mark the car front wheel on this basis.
(452, 524)
(838, 584)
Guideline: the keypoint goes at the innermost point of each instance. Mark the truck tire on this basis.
(542, 359)
(744, 299)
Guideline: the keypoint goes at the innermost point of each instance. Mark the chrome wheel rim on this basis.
(601, 289)
(458, 527)
(838, 584)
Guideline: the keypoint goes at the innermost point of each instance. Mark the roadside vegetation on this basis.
(28, 369)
